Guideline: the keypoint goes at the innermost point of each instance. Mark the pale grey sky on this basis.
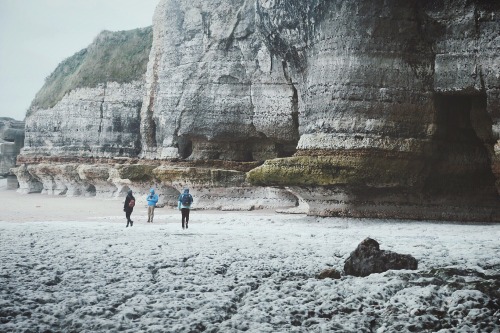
(36, 35)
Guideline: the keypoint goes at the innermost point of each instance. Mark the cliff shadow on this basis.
(185, 147)
(90, 191)
(460, 166)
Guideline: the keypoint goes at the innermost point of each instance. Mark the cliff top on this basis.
(120, 56)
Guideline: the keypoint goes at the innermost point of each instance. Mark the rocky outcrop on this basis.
(399, 119)
(212, 188)
(368, 259)
(90, 105)
(90, 122)
(357, 108)
(214, 89)
(11, 142)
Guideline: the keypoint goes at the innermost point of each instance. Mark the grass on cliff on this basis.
(120, 56)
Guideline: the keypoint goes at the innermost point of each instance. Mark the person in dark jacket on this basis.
(184, 204)
(128, 207)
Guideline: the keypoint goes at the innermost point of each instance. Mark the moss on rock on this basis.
(378, 169)
(200, 176)
(136, 172)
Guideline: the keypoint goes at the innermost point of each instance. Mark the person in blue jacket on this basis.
(152, 200)
(184, 204)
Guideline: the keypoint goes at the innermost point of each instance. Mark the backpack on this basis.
(186, 199)
(131, 203)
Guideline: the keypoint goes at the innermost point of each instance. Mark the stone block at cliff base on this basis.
(136, 172)
(375, 169)
(199, 176)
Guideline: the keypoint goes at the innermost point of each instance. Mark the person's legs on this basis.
(152, 213)
(127, 215)
(187, 217)
(183, 212)
(150, 218)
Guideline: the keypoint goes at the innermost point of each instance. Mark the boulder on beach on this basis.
(368, 259)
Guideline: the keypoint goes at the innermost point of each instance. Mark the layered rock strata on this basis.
(90, 122)
(212, 188)
(214, 89)
(90, 105)
(11, 142)
(358, 108)
(400, 112)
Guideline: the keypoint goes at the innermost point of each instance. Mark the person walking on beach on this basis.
(128, 207)
(152, 200)
(184, 203)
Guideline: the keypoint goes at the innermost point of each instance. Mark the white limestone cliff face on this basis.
(232, 80)
(369, 74)
(214, 90)
(88, 122)
(11, 142)
(89, 106)
(252, 80)
(359, 108)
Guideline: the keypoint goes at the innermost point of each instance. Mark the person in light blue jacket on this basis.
(184, 204)
(152, 200)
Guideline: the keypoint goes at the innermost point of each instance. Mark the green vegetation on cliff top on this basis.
(120, 56)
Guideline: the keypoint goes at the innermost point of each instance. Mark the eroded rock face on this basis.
(90, 105)
(11, 142)
(399, 108)
(360, 108)
(368, 259)
(27, 182)
(89, 122)
(214, 89)
(212, 188)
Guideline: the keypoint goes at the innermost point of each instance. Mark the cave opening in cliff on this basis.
(184, 147)
(91, 191)
(461, 163)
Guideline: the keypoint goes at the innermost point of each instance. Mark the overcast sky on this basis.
(36, 35)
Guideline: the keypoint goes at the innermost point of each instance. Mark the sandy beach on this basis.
(38, 207)
(70, 265)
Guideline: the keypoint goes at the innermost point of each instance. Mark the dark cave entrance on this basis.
(185, 147)
(461, 162)
(91, 191)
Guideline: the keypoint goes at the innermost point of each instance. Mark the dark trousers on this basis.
(127, 214)
(185, 216)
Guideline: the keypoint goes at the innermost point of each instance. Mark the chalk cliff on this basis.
(90, 105)
(351, 108)
(11, 142)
